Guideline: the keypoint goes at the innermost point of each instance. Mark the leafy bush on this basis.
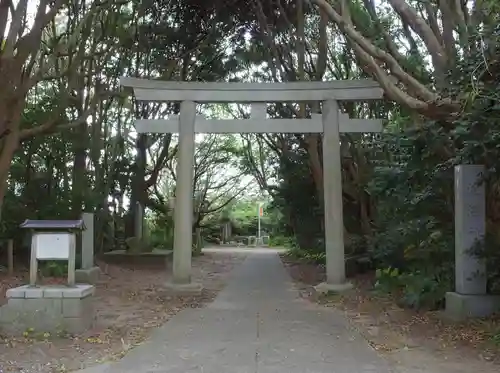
(296, 253)
(161, 231)
(317, 257)
(54, 269)
(409, 182)
(418, 290)
(424, 291)
(495, 337)
(387, 280)
(282, 241)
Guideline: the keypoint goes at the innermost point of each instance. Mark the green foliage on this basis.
(404, 177)
(282, 241)
(387, 279)
(414, 241)
(296, 253)
(422, 290)
(495, 337)
(310, 256)
(161, 231)
(296, 197)
(415, 289)
(54, 269)
(243, 215)
(413, 183)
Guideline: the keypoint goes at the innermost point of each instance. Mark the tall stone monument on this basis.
(469, 298)
(89, 272)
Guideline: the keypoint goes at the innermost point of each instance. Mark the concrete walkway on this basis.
(256, 324)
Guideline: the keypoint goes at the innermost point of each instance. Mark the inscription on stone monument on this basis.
(469, 229)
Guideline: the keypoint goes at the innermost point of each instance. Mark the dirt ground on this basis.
(129, 302)
(414, 341)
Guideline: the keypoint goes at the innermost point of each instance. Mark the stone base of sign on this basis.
(87, 276)
(190, 289)
(460, 306)
(325, 288)
(48, 309)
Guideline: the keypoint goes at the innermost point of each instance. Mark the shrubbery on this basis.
(411, 183)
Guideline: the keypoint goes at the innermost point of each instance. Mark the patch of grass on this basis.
(306, 255)
(282, 241)
(331, 297)
(495, 338)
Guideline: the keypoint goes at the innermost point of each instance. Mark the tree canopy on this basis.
(68, 142)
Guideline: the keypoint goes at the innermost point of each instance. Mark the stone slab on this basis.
(52, 292)
(72, 307)
(33, 293)
(463, 306)
(28, 291)
(87, 276)
(325, 288)
(79, 291)
(18, 292)
(52, 315)
(50, 309)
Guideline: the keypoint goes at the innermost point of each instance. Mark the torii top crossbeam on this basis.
(341, 90)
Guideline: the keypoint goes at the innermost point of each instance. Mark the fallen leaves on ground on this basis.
(9, 281)
(389, 327)
(130, 302)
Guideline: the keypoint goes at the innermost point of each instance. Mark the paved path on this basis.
(257, 324)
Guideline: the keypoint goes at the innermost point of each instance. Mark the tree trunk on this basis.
(198, 242)
(7, 152)
(135, 219)
(10, 120)
(79, 171)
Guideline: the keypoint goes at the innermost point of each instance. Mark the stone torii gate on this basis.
(331, 122)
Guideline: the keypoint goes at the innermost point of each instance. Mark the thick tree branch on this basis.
(160, 162)
(425, 100)
(418, 24)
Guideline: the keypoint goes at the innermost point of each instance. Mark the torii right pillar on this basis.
(332, 189)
